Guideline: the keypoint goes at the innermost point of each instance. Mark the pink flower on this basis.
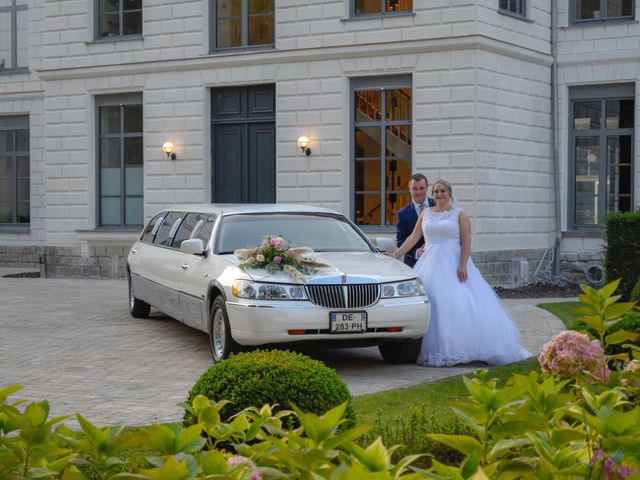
(264, 242)
(234, 461)
(610, 469)
(279, 246)
(570, 353)
(273, 241)
(632, 372)
(277, 259)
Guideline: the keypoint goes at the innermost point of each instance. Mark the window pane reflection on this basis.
(619, 113)
(587, 180)
(619, 173)
(368, 106)
(586, 115)
(619, 8)
(367, 142)
(367, 209)
(587, 9)
(261, 30)
(398, 104)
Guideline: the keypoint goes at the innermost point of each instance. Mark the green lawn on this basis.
(562, 310)
(434, 399)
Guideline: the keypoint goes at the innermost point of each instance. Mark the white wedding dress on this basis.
(468, 321)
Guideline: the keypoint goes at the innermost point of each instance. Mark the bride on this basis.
(468, 322)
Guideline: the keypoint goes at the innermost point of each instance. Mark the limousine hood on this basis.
(359, 267)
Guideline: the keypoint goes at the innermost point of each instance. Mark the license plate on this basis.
(348, 322)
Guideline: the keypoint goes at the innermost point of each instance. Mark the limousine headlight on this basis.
(407, 288)
(267, 291)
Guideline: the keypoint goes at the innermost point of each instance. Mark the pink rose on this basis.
(273, 241)
(279, 246)
(277, 259)
(264, 242)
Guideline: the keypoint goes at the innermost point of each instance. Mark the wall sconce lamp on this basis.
(303, 143)
(167, 147)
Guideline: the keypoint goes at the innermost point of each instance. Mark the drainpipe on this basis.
(554, 132)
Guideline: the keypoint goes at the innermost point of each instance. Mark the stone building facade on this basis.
(480, 92)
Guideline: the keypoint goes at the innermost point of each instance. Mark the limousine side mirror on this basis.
(385, 244)
(195, 246)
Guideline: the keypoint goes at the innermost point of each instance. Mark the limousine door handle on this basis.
(185, 266)
(133, 250)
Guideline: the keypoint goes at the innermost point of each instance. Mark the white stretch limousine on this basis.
(345, 294)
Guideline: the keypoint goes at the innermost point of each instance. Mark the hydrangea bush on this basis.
(571, 353)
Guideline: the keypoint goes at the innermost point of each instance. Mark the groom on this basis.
(407, 216)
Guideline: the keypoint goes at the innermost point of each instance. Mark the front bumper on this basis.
(259, 322)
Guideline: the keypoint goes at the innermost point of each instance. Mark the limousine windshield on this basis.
(323, 233)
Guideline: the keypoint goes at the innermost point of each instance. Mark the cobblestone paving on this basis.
(74, 343)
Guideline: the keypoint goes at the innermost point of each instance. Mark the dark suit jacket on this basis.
(406, 219)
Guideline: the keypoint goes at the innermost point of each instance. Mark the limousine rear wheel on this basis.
(137, 308)
(220, 341)
(401, 351)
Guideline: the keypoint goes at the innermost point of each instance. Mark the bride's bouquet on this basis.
(277, 254)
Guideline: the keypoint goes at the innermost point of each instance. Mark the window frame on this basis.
(15, 123)
(604, 4)
(521, 8)
(382, 13)
(601, 93)
(121, 35)
(244, 46)
(120, 100)
(388, 82)
(15, 67)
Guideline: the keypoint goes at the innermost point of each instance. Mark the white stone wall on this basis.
(600, 53)
(513, 172)
(532, 31)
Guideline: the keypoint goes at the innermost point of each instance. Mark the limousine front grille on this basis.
(344, 296)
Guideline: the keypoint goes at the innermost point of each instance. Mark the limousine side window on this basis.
(187, 226)
(205, 232)
(152, 228)
(168, 228)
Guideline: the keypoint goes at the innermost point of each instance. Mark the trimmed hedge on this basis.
(272, 377)
(622, 249)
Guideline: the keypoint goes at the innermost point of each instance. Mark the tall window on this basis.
(118, 18)
(381, 7)
(14, 171)
(515, 7)
(13, 34)
(120, 161)
(243, 23)
(382, 148)
(602, 144)
(584, 10)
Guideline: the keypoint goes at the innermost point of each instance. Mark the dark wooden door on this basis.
(243, 137)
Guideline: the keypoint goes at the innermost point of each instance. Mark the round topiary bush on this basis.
(274, 377)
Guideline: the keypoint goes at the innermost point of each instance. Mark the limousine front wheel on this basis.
(220, 341)
(401, 351)
(137, 308)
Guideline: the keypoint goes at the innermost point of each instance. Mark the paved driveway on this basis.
(74, 343)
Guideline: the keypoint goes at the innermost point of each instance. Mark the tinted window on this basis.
(152, 227)
(186, 228)
(168, 228)
(205, 232)
(320, 232)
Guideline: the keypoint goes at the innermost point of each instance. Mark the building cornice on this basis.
(279, 57)
(579, 59)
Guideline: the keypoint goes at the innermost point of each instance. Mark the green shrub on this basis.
(630, 322)
(635, 293)
(411, 434)
(622, 249)
(272, 377)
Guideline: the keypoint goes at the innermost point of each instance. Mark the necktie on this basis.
(421, 208)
